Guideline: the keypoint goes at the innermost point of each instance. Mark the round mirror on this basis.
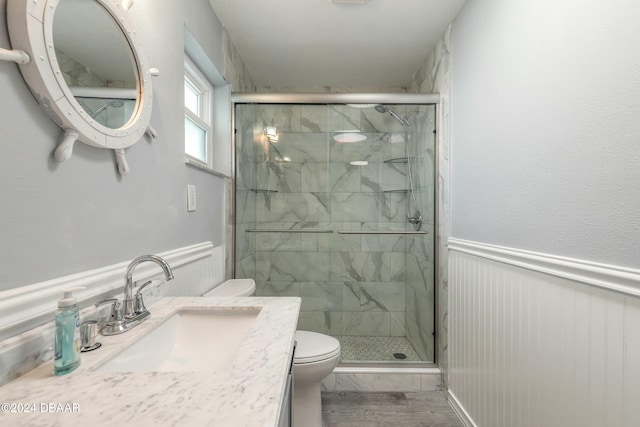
(96, 61)
(86, 69)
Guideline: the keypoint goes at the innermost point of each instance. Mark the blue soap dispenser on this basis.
(66, 356)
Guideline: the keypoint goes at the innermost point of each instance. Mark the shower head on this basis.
(94, 113)
(384, 109)
(116, 103)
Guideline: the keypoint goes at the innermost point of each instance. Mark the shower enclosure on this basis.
(335, 203)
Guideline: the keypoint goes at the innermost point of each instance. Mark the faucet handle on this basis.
(139, 302)
(115, 308)
(145, 284)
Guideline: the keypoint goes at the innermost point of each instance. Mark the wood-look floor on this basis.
(378, 409)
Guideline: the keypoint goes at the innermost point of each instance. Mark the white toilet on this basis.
(315, 357)
(233, 288)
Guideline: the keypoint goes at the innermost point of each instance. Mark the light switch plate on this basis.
(191, 198)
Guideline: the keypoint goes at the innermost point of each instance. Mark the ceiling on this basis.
(307, 43)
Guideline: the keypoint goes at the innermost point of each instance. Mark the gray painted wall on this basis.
(58, 219)
(546, 129)
(207, 28)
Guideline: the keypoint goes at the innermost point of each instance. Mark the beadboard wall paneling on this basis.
(536, 348)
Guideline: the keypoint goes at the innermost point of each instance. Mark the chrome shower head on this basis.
(384, 109)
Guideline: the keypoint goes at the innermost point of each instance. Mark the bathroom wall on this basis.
(65, 218)
(434, 76)
(545, 159)
(545, 129)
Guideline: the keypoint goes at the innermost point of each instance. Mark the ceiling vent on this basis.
(350, 1)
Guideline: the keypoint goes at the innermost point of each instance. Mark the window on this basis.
(207, 112)
(198, 106)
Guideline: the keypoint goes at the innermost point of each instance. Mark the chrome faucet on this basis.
(128, 309)
(133, 311)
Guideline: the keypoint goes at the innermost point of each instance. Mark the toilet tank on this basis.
(233, 288)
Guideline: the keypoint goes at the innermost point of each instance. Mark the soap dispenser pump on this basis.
(66, 355)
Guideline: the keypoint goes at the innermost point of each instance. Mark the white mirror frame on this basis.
(30, 24)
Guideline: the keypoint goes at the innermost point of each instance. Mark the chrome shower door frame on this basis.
(352, 98)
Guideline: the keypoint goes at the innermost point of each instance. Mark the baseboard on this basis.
(459, 409)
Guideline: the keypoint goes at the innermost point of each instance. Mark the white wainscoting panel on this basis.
(194, 278)
(534, 348)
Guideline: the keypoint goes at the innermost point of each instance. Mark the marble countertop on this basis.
(249, 394)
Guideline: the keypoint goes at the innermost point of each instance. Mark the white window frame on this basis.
(194, 77)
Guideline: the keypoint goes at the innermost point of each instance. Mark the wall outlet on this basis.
(191, 198)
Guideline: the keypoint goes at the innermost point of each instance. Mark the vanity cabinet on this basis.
(286, 411)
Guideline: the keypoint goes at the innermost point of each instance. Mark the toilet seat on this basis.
(233, 288)
(314, 347)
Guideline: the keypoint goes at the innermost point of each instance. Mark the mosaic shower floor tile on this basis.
(376, 349)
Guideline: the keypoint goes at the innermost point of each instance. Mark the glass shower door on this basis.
(372, 257)
(323, 198)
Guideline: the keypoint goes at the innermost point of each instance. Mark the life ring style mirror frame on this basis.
(30, 24)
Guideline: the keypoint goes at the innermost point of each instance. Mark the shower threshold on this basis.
(388, 378)
(368, 364)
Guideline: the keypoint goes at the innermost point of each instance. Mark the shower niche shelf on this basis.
(403, 191)
(397, 160)
(381, 232)
(272, 230)
(262, 190)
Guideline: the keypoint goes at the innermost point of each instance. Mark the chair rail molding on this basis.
(29, 306)
(609, 277)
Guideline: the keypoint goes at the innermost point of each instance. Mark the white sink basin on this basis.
(190, 340)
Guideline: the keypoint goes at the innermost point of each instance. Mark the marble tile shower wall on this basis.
(434, 76)
(235, 72)
(248, 139)
(349, 284)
